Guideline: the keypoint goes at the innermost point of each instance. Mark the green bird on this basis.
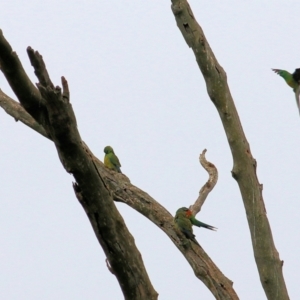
(184, 220)
(111, 160)
(293, 80)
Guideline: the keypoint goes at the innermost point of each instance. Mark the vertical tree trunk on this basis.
(244, 169)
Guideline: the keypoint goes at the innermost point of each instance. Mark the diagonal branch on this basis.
(244, 169)
(208, 186)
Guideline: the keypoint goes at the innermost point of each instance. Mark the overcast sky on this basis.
(135, 85)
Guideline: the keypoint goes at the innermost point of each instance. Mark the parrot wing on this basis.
(115, 161)
(185, 226)
(288, 77)
(188, 234)
(280, 72)
(277, 71)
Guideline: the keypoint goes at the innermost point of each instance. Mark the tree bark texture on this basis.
(244, 165)
(96, 186)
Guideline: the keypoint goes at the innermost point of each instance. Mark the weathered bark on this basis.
(244, 169)
(52, 109)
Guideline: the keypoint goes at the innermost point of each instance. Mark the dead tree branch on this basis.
(208, 186)
(15, 109)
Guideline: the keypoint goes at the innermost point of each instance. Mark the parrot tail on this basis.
(207, 226)
(201, 224)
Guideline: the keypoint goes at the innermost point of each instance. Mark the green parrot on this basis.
(293, 80)
(111, 160)
(184, 220)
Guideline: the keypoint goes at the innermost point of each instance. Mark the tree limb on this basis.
(15, 109)
(244, 169)
(208, 186)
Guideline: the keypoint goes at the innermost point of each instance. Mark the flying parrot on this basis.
(111, 160)
(293, 80)
(184, 220)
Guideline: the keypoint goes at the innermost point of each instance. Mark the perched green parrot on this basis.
(184, 220)
(293, 80)
(111, 160)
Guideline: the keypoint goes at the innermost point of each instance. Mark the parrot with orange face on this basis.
(184, 220)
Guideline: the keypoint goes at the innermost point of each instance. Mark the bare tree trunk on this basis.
(244, 169)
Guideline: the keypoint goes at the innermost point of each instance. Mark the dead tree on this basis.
(47, 109)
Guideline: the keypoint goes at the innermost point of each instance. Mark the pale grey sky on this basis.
(135, 85)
